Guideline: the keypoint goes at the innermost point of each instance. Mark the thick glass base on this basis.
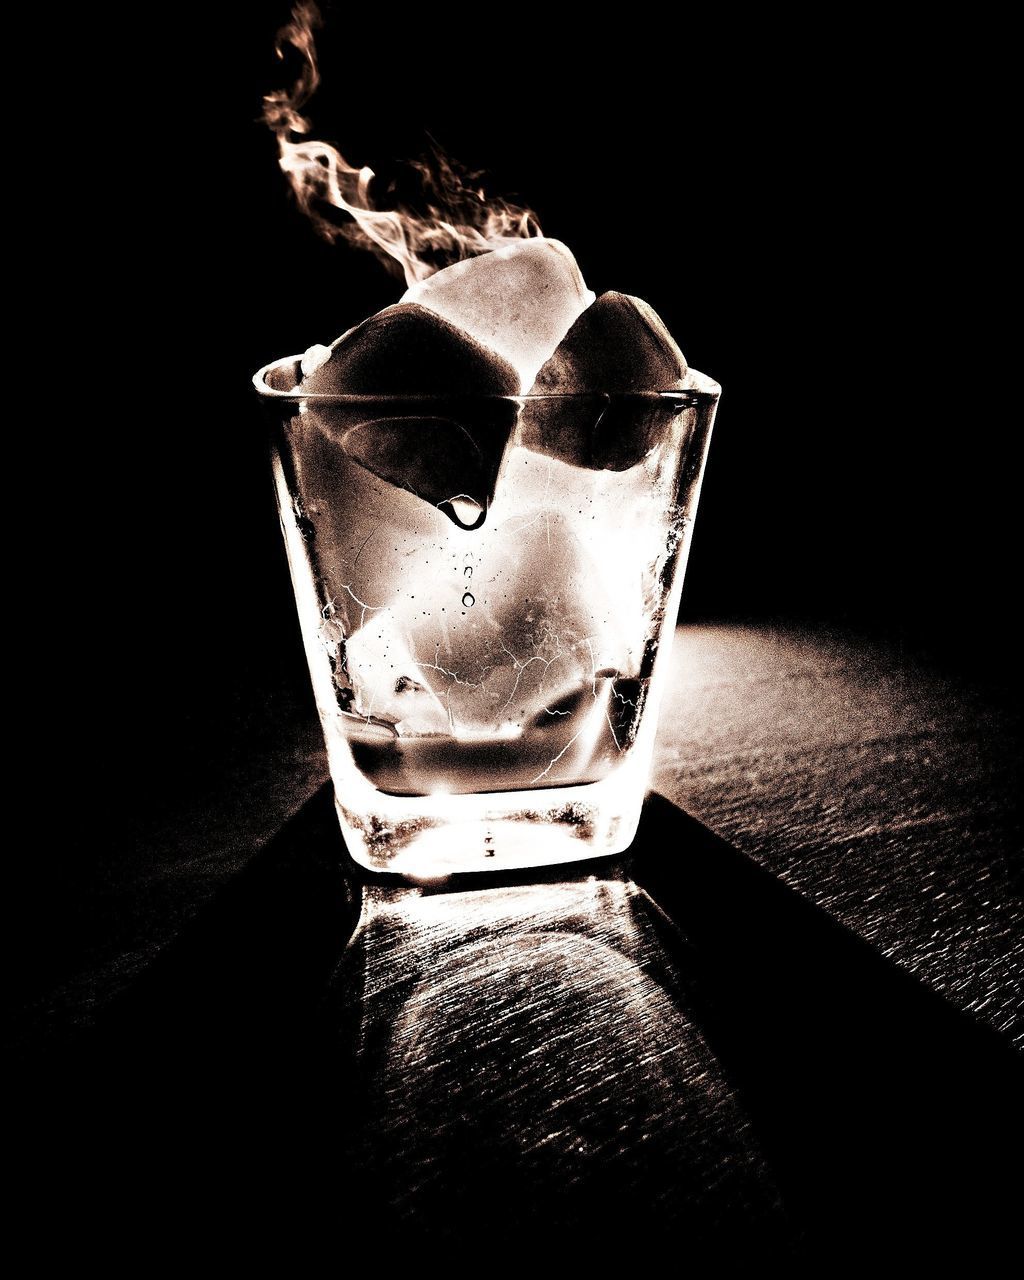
(430, 838)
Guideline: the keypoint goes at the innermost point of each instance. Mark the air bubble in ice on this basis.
(468, 600)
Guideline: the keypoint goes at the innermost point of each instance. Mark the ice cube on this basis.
(407, 350)
(533, 618)
(518, 301)
(618, 346)
(600, 433)
(447, 451)
(388, 682)
(451, 466)
(612, 359)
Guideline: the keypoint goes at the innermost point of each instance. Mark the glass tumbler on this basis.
(486, 586)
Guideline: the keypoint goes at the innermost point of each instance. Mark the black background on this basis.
(821, 224)
(819, 214)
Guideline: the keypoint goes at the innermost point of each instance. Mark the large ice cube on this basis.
(618, 346)
(532, 618)
(518, 301)
(612, 359)
(451, 466)
(407, 350)
(446, 450)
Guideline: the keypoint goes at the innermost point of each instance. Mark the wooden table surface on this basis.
(886, 795)
(782, 1024)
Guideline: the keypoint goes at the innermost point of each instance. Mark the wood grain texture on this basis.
(885, 793)
(528, 1055)
(791, 1042)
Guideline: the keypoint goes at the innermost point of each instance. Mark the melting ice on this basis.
(499, 560)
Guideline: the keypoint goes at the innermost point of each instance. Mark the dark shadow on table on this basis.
(890, 1118)
(226, 1078)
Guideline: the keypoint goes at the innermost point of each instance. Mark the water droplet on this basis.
(464, 511)
(468, 600)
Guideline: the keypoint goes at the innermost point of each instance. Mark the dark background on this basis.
(823, 229)
(820, 216)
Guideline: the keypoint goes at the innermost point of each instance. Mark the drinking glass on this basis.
(486, 587)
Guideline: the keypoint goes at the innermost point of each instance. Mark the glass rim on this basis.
(705, 391)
